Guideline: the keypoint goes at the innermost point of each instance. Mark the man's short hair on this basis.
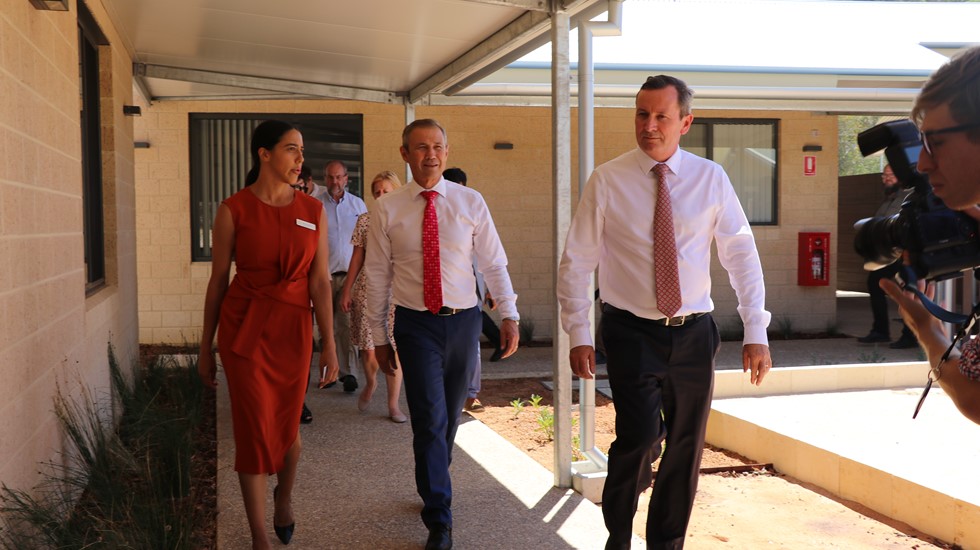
(956, 83)
(422, 123)
(337, 162)
(685, 95)
(455, 175)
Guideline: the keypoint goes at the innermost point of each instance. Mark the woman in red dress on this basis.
(278, 239)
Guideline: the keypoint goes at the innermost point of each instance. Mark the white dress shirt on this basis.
(341, 218)
(394, 252)
(613, 230)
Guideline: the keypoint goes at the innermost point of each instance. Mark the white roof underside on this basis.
(813, 55)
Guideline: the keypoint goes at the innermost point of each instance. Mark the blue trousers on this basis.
(438, 357)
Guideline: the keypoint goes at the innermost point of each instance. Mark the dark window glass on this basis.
(89, 39)
(220, 159)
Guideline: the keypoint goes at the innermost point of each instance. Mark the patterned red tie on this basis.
(665, 249)
(431, 267)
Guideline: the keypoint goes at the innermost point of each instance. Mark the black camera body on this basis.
(940, 242)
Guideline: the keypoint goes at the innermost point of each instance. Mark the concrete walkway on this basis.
(356, 488)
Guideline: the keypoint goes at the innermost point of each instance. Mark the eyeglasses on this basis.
(924, 136)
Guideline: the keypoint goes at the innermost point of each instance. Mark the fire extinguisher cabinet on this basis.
(814, 259)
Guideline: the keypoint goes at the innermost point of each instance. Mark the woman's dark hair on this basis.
(265, 136)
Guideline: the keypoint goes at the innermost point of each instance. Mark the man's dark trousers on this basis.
(879, 302)
(490, 330)
(652, 369)
(438, 356)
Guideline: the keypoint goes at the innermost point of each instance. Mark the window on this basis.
(746, 149)
(220, 159)
(90, 37)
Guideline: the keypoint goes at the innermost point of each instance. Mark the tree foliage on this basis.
(851, 163)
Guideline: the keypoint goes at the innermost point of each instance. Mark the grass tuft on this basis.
(118, 484)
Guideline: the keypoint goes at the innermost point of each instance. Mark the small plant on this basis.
(536, 401)
(120, 485)
(518, 406)
(874, 357)
(526, 330)
(785, 326)
(546, 422)
(576, 442)
(820, 360)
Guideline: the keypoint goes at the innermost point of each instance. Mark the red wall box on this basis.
(813, 268)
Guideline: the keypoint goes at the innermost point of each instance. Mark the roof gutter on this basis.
(706, 92)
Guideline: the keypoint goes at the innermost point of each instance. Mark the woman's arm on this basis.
(222, 250)
(321, 295)
(356, 263)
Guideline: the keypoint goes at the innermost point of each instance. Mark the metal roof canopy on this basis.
(373, 50)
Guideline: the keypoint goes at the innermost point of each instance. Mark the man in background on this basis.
(342, 210)
(880, 325)
(490, 330)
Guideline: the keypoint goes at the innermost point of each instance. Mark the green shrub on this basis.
(125, 485)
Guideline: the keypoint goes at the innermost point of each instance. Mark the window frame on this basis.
(90, 39)
(709, 127)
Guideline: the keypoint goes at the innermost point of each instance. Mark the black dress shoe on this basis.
(440, 538)
(497, 353)
(350, 383)
(284, 533)
(904, 343)
(873, 338)
(306, 416)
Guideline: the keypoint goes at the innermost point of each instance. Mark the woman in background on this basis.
(354, 300)
(278, 239)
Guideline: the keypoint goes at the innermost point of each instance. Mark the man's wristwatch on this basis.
(516, 320)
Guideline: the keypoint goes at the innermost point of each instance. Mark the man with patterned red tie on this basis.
(423, 238)
(646, 220)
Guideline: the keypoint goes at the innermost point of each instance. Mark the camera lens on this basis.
(880, 240)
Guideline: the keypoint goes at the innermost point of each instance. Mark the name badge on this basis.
(306, 224)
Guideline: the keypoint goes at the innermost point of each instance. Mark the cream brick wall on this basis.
(516, 184)
(51, 334)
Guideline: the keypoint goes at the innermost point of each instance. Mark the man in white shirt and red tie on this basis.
(423, 238)
(660, 338)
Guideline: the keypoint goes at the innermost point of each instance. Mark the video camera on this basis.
(941, 243)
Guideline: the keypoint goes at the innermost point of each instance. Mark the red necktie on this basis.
(431, 267)
(668, 288)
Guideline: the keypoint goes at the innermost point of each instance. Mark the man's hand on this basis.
(329, 368)
(510, 337)
(755, 357)
(582, 361)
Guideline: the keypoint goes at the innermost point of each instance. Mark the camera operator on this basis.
(880, 329)
(947, 112)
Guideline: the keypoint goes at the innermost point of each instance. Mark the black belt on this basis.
(679, 321)
(338, 274)
(664, 321)
(447, 311)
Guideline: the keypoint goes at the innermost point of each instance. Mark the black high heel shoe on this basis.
(284, 533)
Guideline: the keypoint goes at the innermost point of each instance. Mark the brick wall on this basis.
(52, 336)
